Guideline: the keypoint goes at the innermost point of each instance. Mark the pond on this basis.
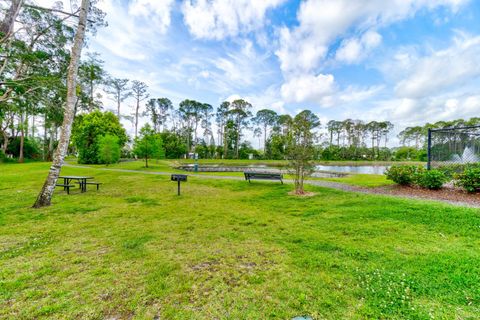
(353, 169)
(325, 170)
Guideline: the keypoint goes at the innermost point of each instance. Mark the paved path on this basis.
(319, 183)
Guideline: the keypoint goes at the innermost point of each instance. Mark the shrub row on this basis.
(469, 179)
(408, 175)
(434, 179)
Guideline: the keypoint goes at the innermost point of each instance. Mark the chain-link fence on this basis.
(453, 147)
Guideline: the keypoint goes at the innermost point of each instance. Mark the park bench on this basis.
(65, 186)
(263, 176)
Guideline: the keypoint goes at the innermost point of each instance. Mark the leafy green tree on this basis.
(221, 117)
(415, 134)
(276, 144)
(89, 128)
(206, 111)
(90, 75)
(148, 145)
(108, 149)
(246, 150)
(265, 118)
(188, 114)
(334, 127)
(240, 112)
(301, 148)
(139, 92)
(119, 90)
(158, 110)
(174, 145)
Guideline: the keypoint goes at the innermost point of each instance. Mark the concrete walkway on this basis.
(319, 183)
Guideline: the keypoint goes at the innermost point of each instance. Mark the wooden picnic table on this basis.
(82, 181)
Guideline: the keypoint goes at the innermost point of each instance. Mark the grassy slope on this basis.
(229, 249)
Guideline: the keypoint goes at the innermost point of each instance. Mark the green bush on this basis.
(469, 179)
(431, 179)
(31, 148)
(89, 128)
(4, 158)
(403, 174)
(108, 149)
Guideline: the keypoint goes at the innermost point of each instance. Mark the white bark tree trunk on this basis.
(45, 196)
(136, 117)
(22, 138)
(6, 26)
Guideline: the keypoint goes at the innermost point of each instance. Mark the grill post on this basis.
(429, 151)
(179, 178)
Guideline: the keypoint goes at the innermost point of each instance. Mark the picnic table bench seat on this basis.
(263, 176)
(65, 186)
(92, 182)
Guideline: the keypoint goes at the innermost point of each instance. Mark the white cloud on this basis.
(355, 94)
(302, 48)
(156, 11)
(353, 50)
(324, 91)
(218, 19)
(444, 69)
(410, 112)
(318, 89)
(134, 32)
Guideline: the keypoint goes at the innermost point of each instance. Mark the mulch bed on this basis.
(449, 194)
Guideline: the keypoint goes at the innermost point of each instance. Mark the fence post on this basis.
(429, 152)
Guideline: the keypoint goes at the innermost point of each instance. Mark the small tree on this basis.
(300, 147)
(148, 145)
(108, 149)
(265, 118)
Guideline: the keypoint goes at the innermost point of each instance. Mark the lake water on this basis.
(353, 169)
(368, 169)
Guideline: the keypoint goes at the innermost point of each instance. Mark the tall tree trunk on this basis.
(264, 140)
(91, 97)
(25, 122)
(45, 196)
(6, 26)
(5, 141)
(195, 141)
(136, 117)
(44, 152)
(237, 139)
(236, 146)
(22, 139)
(373, 145)
(224, 139)
(33, 126)
(118, 107)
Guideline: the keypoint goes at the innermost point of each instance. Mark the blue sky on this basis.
(407, 61)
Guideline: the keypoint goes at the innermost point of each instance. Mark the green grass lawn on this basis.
(362, 180)
(230, 250)
(283, 163)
